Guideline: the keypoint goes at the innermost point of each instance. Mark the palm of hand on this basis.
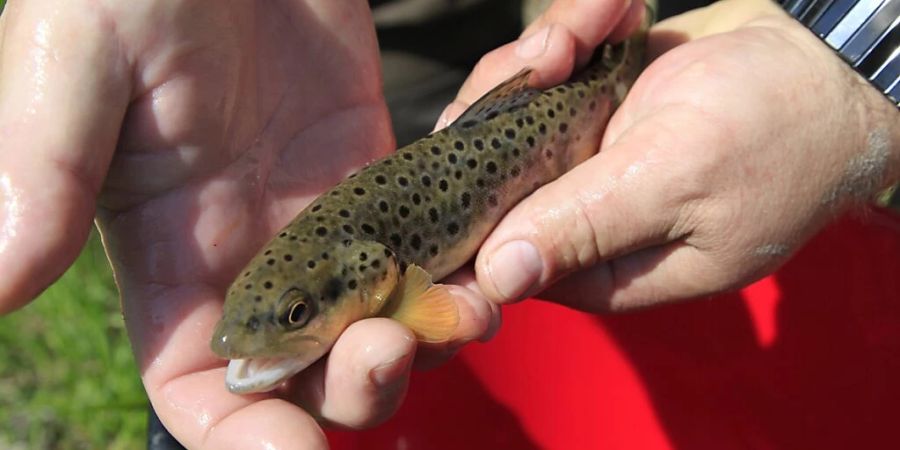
(218, 122)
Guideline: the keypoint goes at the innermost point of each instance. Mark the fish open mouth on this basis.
(245, 376)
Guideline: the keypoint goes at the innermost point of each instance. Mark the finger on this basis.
(619, 201)
(644, 278)
(61, 103)
(364, 378)
(548, 52)
(202, 414)
(589, 21)
(479, 319)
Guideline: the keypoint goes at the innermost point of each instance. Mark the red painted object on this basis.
(806, 358)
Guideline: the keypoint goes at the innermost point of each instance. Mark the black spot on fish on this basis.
(479, 144)
(376, 263)
(435, 165)
(270, 261)
(563, 127)
(458, 174)
(472, 163)
(248, 286)
(435, 150)
(516, 152)
(433, 215)
(316, 208)
(515, 171)
(415, 242)
(530, 141)
(380, 179)
(368, 229)
(407, 156)
(388, 253)
(359, 191)
(351, 285)
(347, 228)
(551, 114)
(396, 240)
(283, 234)
(480, 182)
(311, 264)
(426, 180)
(492, 200)
(433, 250)
(451, 157)
(452, 228)
(529, 120)
(321, 231)
(416, 199)
(268, 285)
(580, 93)
(572, 112)
(491, 115)
(383, 206)
(491, 167)
(495, 143)
(459, 145)
(403, 181)
(344, 213)
(520, 123)
(548, 153)
(362, 268)
(268, 252)
(403, 211)
(542, 128)
(592, 106)
(468, 124)
(258, 298)
(561, 89)
(466, 199)
(559, 106)
(443, 185)
(288, 258)
(509, 133)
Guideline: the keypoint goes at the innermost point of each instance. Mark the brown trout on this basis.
(371, 245)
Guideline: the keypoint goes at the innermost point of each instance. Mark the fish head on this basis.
(291, 303)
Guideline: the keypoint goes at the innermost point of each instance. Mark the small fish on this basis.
(372, 245)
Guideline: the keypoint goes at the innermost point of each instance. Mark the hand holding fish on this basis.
(742, 139)
(194, 130)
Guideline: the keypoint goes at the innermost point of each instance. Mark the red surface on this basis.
(806, 358)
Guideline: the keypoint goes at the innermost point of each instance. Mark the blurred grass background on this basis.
(68, 379)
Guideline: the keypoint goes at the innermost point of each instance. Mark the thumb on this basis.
(62, 100)
(612, 204)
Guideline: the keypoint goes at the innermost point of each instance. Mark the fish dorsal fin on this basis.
(429, 310)
(507, 96)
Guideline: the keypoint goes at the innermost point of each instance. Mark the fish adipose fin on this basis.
(429, 310)
(507, 96)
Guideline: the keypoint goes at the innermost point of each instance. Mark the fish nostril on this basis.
(253, 324)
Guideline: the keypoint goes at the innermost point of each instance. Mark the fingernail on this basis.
(442, 120)
(389, 372)
(515, 269)
(534, 45)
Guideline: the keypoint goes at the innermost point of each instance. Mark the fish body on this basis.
(371, 244)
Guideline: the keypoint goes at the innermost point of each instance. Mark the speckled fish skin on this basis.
(431, 204)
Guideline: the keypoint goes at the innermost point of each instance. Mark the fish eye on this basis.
(299, 312)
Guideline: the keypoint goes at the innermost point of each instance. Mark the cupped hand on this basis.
(194, 130)
(743, 138)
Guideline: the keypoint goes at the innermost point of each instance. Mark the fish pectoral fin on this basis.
(429, 310)
(512, 93)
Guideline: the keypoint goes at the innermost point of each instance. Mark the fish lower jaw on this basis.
(247, 376)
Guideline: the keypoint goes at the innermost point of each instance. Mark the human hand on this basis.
(737, 144)
(195, 130)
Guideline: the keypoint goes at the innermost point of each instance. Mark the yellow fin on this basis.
(428, 309)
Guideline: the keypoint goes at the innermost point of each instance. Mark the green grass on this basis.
(67, 375)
